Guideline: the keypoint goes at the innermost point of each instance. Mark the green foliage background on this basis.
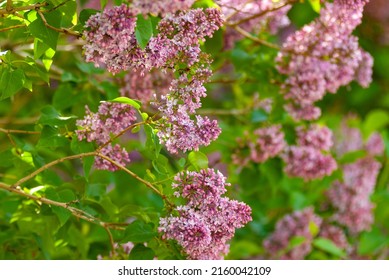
(44, 87)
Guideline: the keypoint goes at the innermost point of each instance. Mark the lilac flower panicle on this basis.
(269, 143)
(161, 7)
(319, 137)
(110, 39)
(335, 234)
(207, 221)
(306, 159)
(238, 10)
(308, 163)
(351, 196)
(111, 119)
(322, 57)
(292, 225)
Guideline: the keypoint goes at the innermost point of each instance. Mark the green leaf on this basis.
(375, 120)
(329, 247)
(139, 231)
(86, 14)
(371, 242)
(50, 137)
(39, 30)
(84, 147)
(143, 30)
(11, 82)
(315, 4)
(198, 160)
(50, 116)
(313, 228)
(153, 147)
(126, 100)
(259, 116)
(141, 252)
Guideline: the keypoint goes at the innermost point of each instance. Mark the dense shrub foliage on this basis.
(209, 129)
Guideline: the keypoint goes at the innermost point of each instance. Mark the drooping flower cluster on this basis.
(253, 16)
(307, 160)
(176, 48)
(297, 224)
(110, 39)
(145, 86)
(269, 142)
(335, 234)
(161, 7)
(351, 196)
(323, 56)
(207, 221)
(182, 32)
(111, 119)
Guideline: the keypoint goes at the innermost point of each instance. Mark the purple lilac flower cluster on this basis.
(335, 234)
(307, 160)
(145, 86)
(178, 43)
(262, 15)
(268, 142)
(111, 119)
(110, 39)
(207, 221)
(323, 56)
(351, 196)
(297, 224)
(161, 7)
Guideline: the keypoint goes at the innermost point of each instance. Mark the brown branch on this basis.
(74, 211)
(46, 166)
(236, 9)
(262, 13)
(12, 27)
(16, 131)
(146, 183)
(119, 134)
(56, 7)
(9, 10)
(61, 30)
(255, 39)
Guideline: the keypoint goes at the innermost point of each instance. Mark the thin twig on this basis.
(12, 27)
(61, 30)
(146, 183)
(46, 166)
(22, 8)
(16, 131)
(260, 14)
(74, 211)
(111, 240)
(255, 39)
(119, 134)
(9, 6)
(56, 7)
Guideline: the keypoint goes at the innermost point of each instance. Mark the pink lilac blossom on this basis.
(306, 159)
(161, 7)
(347, 139)
(323, 56)
(207, 221)
(265, 15)
(111, 119)
(319, 137)
(110, 39)
(375, 144)
(335, 234)
(351, 195)
(145, 86)
(307, 162)
(178, 131)
(269, 143)
(297, 224)
(265, 143)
